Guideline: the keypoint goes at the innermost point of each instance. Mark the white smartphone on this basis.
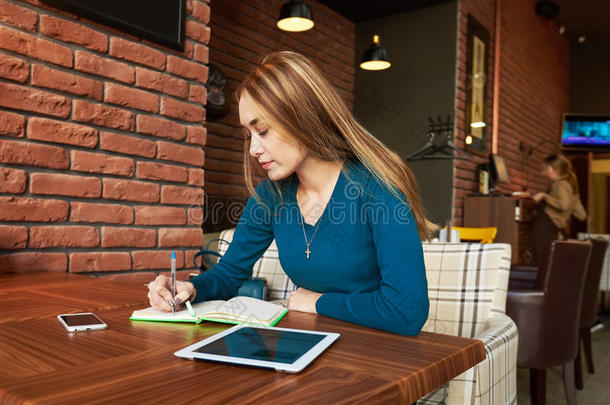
(81, 322)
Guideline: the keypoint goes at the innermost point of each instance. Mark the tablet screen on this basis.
(279, 346)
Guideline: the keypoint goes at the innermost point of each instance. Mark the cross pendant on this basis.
(307, 252)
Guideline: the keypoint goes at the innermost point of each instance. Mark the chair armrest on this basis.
(495, 378)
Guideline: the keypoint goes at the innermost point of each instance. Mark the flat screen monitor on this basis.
(498, 171)
(586, 131)
(161, 21)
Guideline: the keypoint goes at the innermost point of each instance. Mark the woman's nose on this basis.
(255, 146)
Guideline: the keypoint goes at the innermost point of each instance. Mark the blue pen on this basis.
(173, 281)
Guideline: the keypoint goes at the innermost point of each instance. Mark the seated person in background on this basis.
(344, 209)
(556, 206)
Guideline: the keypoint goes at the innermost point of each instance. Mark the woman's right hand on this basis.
(160, 296)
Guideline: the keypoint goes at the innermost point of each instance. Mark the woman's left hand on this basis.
(303, 300)
(538, 197)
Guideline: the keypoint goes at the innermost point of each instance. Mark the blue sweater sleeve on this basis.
(400, 304)
(253, 235)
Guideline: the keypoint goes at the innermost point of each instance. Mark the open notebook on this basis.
(236, 310)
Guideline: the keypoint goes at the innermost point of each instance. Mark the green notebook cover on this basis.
(237, 310)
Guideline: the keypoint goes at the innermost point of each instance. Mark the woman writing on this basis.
(343, 209)
(557, 205)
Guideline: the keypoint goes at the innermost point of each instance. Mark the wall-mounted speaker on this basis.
(547, 9)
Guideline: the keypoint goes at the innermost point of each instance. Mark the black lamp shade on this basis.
(295, 16)
(375, 57)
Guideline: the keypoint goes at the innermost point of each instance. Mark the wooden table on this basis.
(133, 362)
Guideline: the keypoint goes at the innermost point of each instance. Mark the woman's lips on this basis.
(266, 165)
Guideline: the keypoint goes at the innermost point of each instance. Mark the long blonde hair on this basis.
(292, 94)
(564, 169)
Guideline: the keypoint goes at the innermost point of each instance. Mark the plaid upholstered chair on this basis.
(467, 286)
(467, 289)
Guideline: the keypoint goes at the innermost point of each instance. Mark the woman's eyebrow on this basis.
(251, 123)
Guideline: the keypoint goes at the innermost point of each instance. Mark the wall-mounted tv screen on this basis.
(161, 21)
(586, 130)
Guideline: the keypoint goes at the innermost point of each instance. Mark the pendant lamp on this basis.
(375, 57)
(295, 16)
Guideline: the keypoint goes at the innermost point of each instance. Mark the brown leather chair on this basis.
(548, 316)
(588, 311)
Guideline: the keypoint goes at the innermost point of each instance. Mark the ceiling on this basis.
(580, 17)
(358, 11)
(585, 17)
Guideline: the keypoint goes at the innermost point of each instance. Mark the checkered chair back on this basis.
(268, 267)
(467, 285)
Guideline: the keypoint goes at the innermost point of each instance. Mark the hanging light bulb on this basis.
(375, 57)
(295, 16)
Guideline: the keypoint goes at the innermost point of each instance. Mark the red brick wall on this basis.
(534, 93)
(101, 144)
(243, 31)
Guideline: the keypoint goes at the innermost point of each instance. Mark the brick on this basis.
(129, 145)
(65, 184)
(104, 115)
(196, 135)
(188, 260)
(37, 48)
(180, 153)
(160, 127)
(130, 97)
(102, 213)
(12, 180)
(156, 259)
(195, 177)
(201, 53)
(187, 69)
(13, 237)
(18, 16)
(158, 171)
(33, 154)
(188, 50)
(198, 94)
(15, 69)
(155, 215)
(73, 32)
(195, 216)
(28, 262)
(99, 261)
(181, 195)
(47, 130)
(138, 53)
(149, 79)
(63, 236)
(97, 65)
(128, 237)
(101, 163)
(12, 124)
(175, 237)
(182, 111)
(29, 99)
(43, 76)
(25, 209)
(129, 190)
(197, 31)
(201, 11)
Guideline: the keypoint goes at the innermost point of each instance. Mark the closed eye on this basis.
(263, 132)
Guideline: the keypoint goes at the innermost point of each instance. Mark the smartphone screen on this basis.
(81, 322)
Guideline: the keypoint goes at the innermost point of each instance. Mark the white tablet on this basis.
(282, 349)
